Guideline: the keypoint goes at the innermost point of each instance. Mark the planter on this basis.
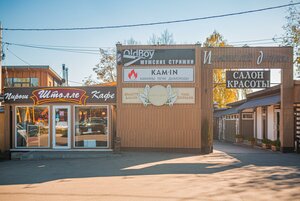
(274, 148)
(239, 140)
(252, 143)
(265, 146)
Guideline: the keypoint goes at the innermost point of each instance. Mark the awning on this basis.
(270, 100)
(226, 112)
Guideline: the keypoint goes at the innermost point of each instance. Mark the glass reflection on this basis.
(91, 126)
(32, 126)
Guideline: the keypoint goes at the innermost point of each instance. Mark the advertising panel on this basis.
(247, 79)
(185, 74)
(76, 95)
(129, 57)
(183, 95)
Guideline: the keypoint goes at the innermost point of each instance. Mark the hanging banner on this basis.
(158, 74)
(247, 79)
(130, 57)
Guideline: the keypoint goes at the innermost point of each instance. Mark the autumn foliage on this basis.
(222, 95)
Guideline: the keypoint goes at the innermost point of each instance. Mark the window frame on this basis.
(15, 127)
(247, 118)
(74, 126)
(13, 82)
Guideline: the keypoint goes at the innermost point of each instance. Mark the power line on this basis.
(151, 23)
(30, 64)
(95, 51)
(18, 57)
(65, 46)
(258, 40)
(57, 49)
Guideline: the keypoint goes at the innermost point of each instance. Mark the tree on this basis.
(87, 81)
(131, 41)
(105, 69)
(222, 95)
(165, 38)
(291, 36)
(215, 40)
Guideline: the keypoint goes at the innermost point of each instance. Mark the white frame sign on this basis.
(184, 95)
(176, 74)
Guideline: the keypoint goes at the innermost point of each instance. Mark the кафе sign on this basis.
(75, 95)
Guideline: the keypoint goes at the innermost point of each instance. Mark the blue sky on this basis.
(85, 13)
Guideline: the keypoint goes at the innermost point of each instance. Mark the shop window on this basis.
(247, 116)
(32, 127)
(91, 126)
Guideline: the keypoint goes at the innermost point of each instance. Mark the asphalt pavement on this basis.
(232, 172)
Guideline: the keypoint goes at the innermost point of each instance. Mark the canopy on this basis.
(269, 100)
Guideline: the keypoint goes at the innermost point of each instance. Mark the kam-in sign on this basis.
(247, 79)
(158, 74)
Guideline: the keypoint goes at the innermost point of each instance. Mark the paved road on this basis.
(230, 173)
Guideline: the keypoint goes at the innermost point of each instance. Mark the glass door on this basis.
(61, 126)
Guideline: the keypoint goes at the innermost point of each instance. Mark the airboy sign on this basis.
(247, 79)
(130, 57)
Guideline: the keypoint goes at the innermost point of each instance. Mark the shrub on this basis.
(266, 141)
(276, 143)
(239, 136)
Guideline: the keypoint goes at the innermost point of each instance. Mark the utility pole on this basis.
(1, 58)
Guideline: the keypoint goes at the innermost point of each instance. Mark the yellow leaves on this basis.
(215, 40)
(222, 95)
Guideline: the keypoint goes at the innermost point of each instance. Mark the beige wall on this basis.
(163, 127)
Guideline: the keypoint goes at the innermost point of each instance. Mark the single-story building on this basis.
(256, 117)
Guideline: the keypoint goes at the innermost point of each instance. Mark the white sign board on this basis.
(185, 74)
(184, 95)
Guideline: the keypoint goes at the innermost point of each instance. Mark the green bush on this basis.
(239, 136)
(266, 141)
(251, 139)
(276, 143)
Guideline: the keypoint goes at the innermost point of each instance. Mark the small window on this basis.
(34, 82)
(247, 116)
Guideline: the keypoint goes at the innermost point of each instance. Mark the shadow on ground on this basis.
(259, 166)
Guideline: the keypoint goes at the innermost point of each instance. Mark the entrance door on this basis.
(277, 123)
(61, 126)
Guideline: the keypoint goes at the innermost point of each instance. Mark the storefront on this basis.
(164, 101)
(61, 118)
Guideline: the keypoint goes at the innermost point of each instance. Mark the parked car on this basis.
(95, 125)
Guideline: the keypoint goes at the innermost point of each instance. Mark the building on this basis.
(163, 101)
(256, 117)
(25, 76)
(29, 76)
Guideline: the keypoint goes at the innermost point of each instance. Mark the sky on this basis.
(87, 13)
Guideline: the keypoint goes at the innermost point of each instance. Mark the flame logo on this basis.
(132, 74)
